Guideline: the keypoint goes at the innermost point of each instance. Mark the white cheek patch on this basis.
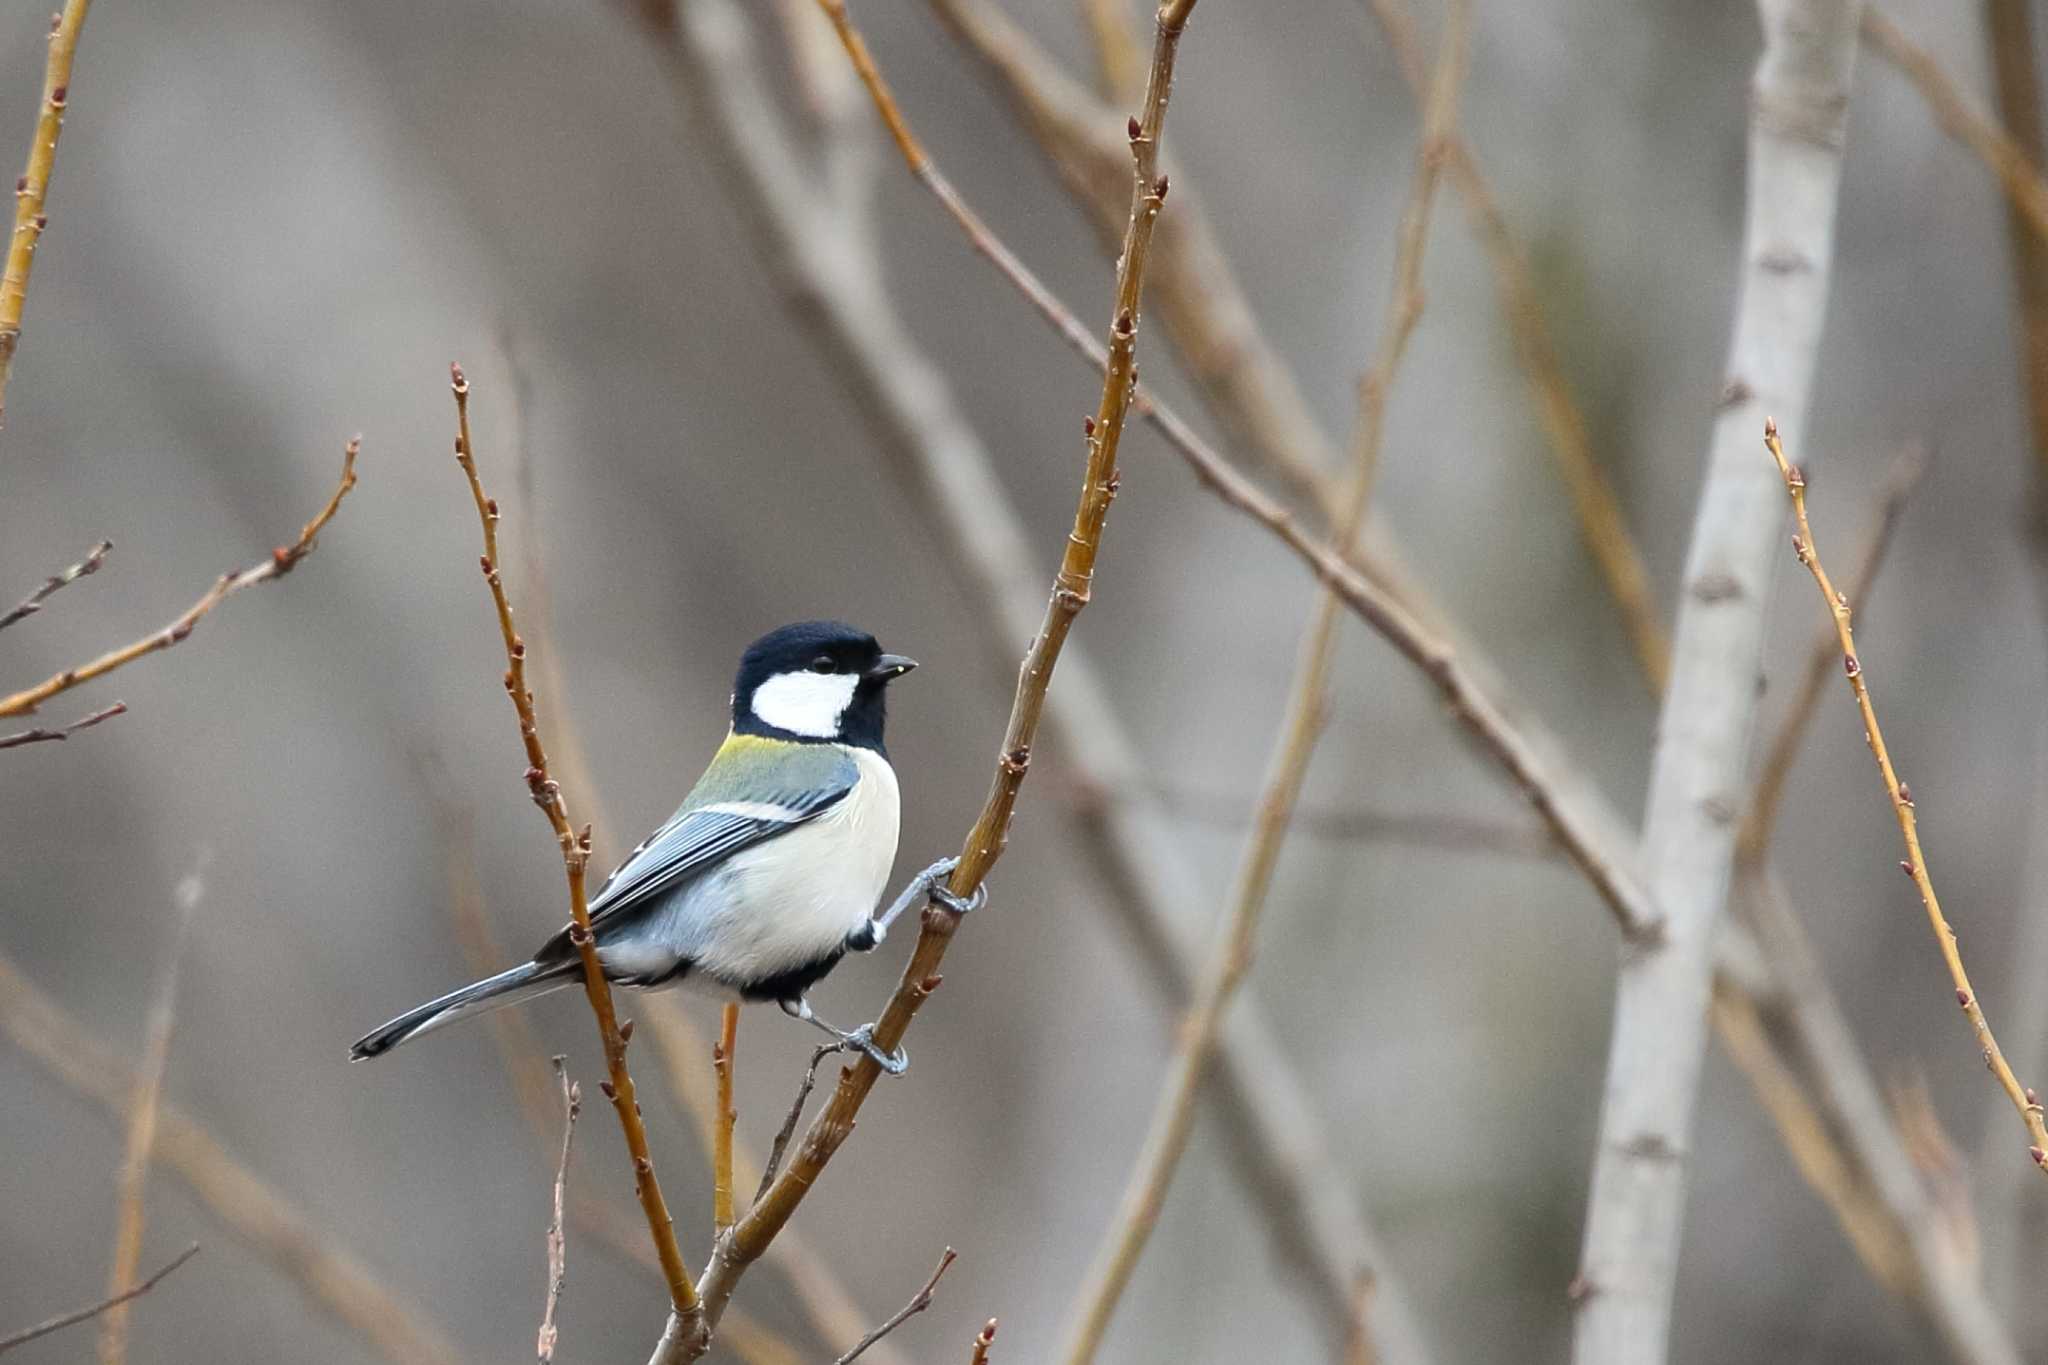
(806, 703)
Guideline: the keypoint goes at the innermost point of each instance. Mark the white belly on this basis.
(791, 900)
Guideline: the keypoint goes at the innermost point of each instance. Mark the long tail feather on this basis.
(521, 983)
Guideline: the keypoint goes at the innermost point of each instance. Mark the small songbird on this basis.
(771, 870)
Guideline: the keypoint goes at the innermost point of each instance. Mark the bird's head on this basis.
(816, 681)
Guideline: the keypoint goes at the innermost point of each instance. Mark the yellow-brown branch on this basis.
(1915, 864)
(575, 851)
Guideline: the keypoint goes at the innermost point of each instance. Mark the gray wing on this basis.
(700, 837)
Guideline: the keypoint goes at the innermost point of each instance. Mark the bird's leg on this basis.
(862, 1038)
(929, 883)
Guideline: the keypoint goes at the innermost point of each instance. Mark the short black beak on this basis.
(891, 666)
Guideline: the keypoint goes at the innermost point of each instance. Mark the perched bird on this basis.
(771, 870)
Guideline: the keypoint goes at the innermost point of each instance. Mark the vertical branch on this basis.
(142, 1126)
(1602, 524)
(721, 1147)
(575, 850)
(31, 192)
(1307, 707)
(558, 1240)
(1798, 121)
(2009, 30)
(2023, 1100)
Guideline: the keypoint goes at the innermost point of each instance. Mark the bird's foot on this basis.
(861, 1039)
(931, 884)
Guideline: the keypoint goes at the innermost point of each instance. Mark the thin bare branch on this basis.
(32, 191)
(1306, 710)
(2009, 34)
(43, 734)
(921, 1301)
(333, 1280)
(983, 1341)
(2024, 1101)
(142, 1120)
(63, 1320)
(1823, 657)
(280, 562)
(575, 852)
(2018, 174)
(1602, 524)
(721, 1143)
(33, 603)
(558, 1240)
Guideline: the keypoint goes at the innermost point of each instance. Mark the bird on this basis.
(769, 872)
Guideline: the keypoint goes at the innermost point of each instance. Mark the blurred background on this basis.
(273, 225)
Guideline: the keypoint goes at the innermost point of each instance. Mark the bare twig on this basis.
(1602, 524)
(33, 603)
(558, 1241)
(721, 1146)
(1201, 305)
(783, 1134)
(1636, 1207)
(142, 1121)
(983, 1340)
(31, 192)
(332, 1279)
(42, 734)
(1358, 1345)
(921, 1301)
(575, 851)
(280, 562)
(1915, 864)
(63, 1320)
(2009, 34)
(1307, 707)
(689, 1334)
(2018, 174)
(1823, 657)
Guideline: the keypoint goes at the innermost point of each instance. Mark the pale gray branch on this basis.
(1697, 781)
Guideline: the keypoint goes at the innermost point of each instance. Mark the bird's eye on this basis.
(823, 664)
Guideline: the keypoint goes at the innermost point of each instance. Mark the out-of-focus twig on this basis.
(33, 603)
(721, 1143)
(575, 852)
(1602, 524)
(1119, 56)
(2018, 174)
(332, 1279)
(31, 192)
(63, 1320)
(1199, 301)
(280, 562)
(1799, 112)
(558, 1238)
(918, 1303)
(2023, 1100)
(1823, 657)
(2009, 33)
(142, 1121)
(1446, 830)
(1306, 709)
(42, 734)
